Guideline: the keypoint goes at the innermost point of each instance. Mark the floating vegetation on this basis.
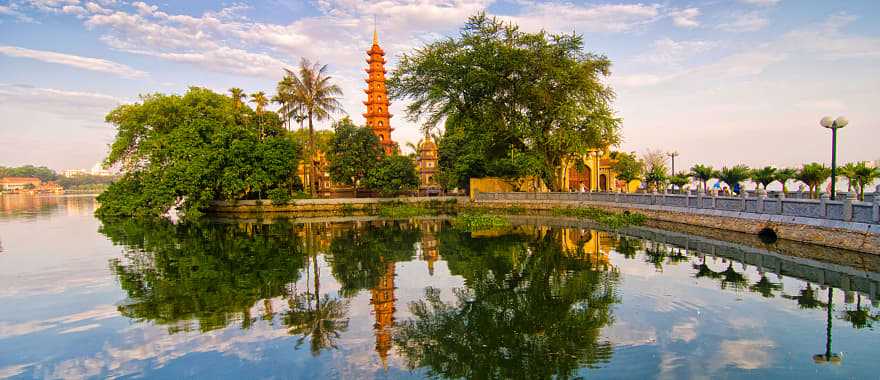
(608, 218)
(471, 221)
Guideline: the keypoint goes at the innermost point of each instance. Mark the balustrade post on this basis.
(743, 194)
(762, 195)
(700, 198)
(823, 206)
(780, 199)
(714, 195)
(876, 206)
(848, 206)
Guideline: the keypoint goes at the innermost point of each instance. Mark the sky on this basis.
(720, 82)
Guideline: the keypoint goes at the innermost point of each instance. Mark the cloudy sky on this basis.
(721, 82)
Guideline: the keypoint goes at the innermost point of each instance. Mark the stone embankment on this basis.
(846, 224)
(333, 206)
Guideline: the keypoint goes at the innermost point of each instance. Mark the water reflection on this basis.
(362, 298)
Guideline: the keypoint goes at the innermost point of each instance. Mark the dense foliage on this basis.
(194, 149)
(628, 167)
(392, 175)
(353, 152)
(43, 173)
(515, 103)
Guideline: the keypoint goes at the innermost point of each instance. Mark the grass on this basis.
(472, 221)
(403, 210)
(608, 218)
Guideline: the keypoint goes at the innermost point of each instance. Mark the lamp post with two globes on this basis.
(833, 125)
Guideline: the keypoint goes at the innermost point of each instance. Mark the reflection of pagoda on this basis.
(383, 308)
(378, 118)
(430, 252)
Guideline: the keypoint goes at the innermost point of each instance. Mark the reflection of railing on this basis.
(839, 276)
(776, 209)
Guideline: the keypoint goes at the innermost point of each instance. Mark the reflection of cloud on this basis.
(13, 370)
(744, 354)
(623, 333)
(8, 330)
(80, 329)
(684, 332)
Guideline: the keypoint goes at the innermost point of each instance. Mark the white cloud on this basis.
(9, 10)
(764, 3)
(667, 51)
(78, 105)
(686, 18)
(86, 63)
(74, 10)
(746, 22)
(97, 8)
(567, 17)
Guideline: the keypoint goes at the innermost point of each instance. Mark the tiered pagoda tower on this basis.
(378, 118)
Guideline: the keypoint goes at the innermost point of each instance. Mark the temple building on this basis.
(378, 118)
(596, 174)
(426, 164)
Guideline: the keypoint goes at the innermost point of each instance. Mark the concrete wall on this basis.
(842, 224)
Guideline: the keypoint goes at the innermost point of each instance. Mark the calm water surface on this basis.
(82, 298)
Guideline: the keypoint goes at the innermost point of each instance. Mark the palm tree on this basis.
(238, 96)
(734, 176)
(765, 287)
(679, 180)
(313, 89)
(783, 176)
(703, 174)
(865, 175)
(291, 108)
(813, 175)
(259, 99)
(848, 171)
(764, 176)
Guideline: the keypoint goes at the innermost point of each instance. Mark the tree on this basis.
(354, 152)
(532, 102)
(783, 176)
(290, 108)
(655, 167)
(393, 175)
(703, 174)
(656, 177)
(734, 176)
(628, 168)
(763, 176)
(318, 96)
(679, 180)
(238, 97)
(191, 148)
(43, 173)
(848, 171)
(813, 175)
(865, 175)
(259, 100)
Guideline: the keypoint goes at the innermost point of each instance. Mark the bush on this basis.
(279, 196)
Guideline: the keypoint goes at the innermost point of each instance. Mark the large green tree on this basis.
(393, 175)
(353, 152)
(525, 101)
(193, 149)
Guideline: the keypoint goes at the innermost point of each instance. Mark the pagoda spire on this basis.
(377, 116)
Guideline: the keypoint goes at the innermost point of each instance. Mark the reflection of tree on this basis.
(703, 271)
(806, 298)
(733, 279)
(765, 287)
(210, 273)
(358, 257)
(530, 311)
(321, 324)
(628, 246)
(659, 254)
(860, 318)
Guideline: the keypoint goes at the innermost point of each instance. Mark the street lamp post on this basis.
(833, 125)
(673, 154)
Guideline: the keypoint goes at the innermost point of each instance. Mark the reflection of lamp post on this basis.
(833, 125)
(828, 356)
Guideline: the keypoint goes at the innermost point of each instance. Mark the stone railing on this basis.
(847, 210)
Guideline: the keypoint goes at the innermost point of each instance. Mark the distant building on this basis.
(19, 183)
(594, 173)
(97, 170)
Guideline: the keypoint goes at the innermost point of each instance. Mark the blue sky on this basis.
(721, 82)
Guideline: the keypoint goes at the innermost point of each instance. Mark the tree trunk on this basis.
(311, 156)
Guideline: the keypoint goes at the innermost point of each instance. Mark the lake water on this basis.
(82, 298)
